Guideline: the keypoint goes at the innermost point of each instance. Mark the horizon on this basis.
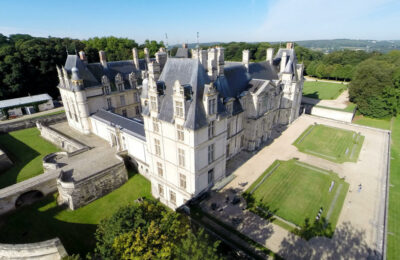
(250, 21)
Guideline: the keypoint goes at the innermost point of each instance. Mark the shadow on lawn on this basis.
(314, 95)
(38, 222)
(19, 153)
(347, 243)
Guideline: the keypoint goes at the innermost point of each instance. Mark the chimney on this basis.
(147, 55)
(195, 54)
(212, 63)
(289, 45)
(103, 59)
(135, 58)
(283, 62)
(161, 57)
(154, 71)
(184, 45)
(203, 58)
(246, 58)
(270, 53)
(220, 61)
(82, 56)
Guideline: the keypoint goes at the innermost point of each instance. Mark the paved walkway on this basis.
(360, 227)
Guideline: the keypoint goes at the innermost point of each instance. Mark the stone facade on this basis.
(5, 162)
(79, 193)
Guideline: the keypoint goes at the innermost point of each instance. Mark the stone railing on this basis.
(50, 161)
(49, 249)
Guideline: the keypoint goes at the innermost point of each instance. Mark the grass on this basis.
(26, 149)
(45, 220)
(322, 90)
(372, 122)
(333, 144)
(296, 191)
(393, 236)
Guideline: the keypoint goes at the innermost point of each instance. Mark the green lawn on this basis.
(296, 191)
(372, 122)
(322, 90)
(393, 236)
(45, 220)
(26, 149)
(330, 143)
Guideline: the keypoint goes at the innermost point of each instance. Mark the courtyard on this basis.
(323, 90)
(361, 219)
(296, 191)
(330, 143)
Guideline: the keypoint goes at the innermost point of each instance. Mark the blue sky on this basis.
(215, 20)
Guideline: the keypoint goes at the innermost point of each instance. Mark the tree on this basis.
(197, 247)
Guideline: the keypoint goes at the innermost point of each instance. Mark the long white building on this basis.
(181, 119)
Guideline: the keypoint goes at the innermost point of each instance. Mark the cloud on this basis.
(327, 19)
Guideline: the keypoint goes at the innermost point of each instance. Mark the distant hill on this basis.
(332, 45)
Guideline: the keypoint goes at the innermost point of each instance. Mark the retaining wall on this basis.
(5, 162)
(332, 114)
(47, 250)
(31, 122)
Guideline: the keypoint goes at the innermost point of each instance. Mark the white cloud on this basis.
(327, 19)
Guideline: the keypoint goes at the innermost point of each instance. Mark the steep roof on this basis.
(291, 61)
(88, 78)
(182, 53)
(24, 100)
(187, 72)
(131, 126)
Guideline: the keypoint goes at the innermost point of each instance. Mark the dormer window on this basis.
(120, 87)
(179, 109)
(211, 106)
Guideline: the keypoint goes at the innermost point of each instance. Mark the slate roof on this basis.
(24, 100)
(131, 126)
(290, 62)
(182, 53)
(188, 72)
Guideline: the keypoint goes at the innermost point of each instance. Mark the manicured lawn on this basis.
(330, 143)
(26, 149)
(393, 236)
(372, 122)
(45, 220)
(322, 90)
(296, 191)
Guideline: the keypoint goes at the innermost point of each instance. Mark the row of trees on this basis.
(148, 230)
(28, 64)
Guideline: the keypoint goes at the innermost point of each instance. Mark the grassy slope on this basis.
(322, 90)
(393, 249)
(372, 122)
(297, 193)
(329, 143)
(26, 149)
(45, 220)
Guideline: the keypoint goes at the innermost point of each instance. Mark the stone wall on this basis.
(47, 250)
(5, 162)
(31, 122)
(80, 193)
(329, 113)
(64, 142)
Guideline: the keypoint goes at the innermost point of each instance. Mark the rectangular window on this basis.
(210, 176)
(210, 153)
(179, 109)
(122, 99)
(161, 190)
(228, 129)
(211, 130)
(211, 106)
(227, 150)
(181, 157)
(137, 110)
(157, 147)
(124, 113)
(180, 133)
(172, 197)
(109, 103)
(182, 181)
(241, 141)
(159, 169)
(156, 127)
(136, 97)
(153, 103)
(121, 87)
(108, 90)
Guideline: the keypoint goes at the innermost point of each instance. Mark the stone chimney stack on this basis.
(135, 58)
(103, 59)
(184, 45)
(203, 58)
(154, 71)
(82, 56)
(147, 55)
(195, 54)
(270, 53)
(246, 58)
(220, 61)
(212, 64)
(289, 45)
(161, 57)
(283, 61)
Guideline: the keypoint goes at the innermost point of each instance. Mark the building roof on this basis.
(132, 126)
(182, 53)
(24, 100)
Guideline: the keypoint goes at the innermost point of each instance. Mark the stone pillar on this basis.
(135, 58)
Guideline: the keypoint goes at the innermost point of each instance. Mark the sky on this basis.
(215, 20)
